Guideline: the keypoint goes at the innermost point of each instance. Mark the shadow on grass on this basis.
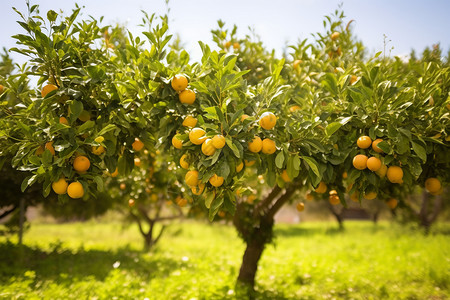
(301, 231)
(78, 264)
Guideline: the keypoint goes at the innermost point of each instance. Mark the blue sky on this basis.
(407, 24)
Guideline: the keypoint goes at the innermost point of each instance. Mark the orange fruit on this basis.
(60, 186)
(395, 174)
(98, 150)
(208, 148)
(296, 65)
(221, 214)
(360, 161)
(189, 121)
(131, 202)
(181, 202)
(285, 176)
(48, 89)
(39, 150)
(375, 146)
(81, 163)
(137, 145)
(300, 206)
(335, 35)
(243, 117)
(249, 163)
(84, 116)
(353, 79)
(251, 199)
(179, 82)
(294, 108)
(267, 120)
(75, 190)
(239, 167)
(218, 141)
(268, 146)
(321, 188)
(197, 136)
(137, 162)
(392, 203)
(334, 199)
(433, 185)
(227, 44)
(49, 147)
(176, 142)
(115, 173)
(344, 175)
(236, 45)
(63, 120)
(364, 142)
(191, 178)
(374, 164)
(198, 190)
(370, 195)
(355, 197)
(183, 162)
(255, 145)
(2, 88)
(439, 192)
(382, 171)
(187, 97)
(216, 180)
(309, 197)
(99, 139)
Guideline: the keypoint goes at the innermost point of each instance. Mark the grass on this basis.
(201, 261)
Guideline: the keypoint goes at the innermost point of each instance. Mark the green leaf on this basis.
(312, 163)
(233, 147)
(51, 15)
(215, 206)
(99, 181)
(29, 180)
(420, 151)
(332, 128)
(107, 129)
(279, 160)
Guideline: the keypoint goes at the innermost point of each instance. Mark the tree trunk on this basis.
(375, 217)
(21, 219)
(249, 265)
(337, 215)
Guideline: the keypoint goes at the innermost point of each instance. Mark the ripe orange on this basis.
(382, 171)
(137, 162)
(75, 190)
(335, 35)
(191, 178)
(208, 147)
(99, 139)
(249, 163)
(360, 161)
(60, 186)
(395, 174)
(181, 202)
(439, 192)
(2, 88)
(433, 185)
(227, 44)
(344, 175)
(309, 197)
(239, 167)
(197, 136)
(294, 108)
(176, 142)
(63, 120)
(187, 97)
(131, 202)
(355, 196)
(198, 190)
(321, 188)
(375, 146)
(374, 164)
(300, 206)
(48, 89)
(183, 162)
(81, 163)
(334, 199)
(49, 147)
(115, 173)
(255, 145)
(392, 203)
(285, 176)
(216, 180)
(218, 141)
(353, 79)
(137, 145)
(251, 199)
(243, 117)
(221, 214)
(179, 82)
(236, 46)
(267, 120)
(84, 116)
(364, 142)
(98, 150)
(370, 195)
(189, 121)
(268, 146)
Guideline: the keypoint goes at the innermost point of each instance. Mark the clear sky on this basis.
(407, 23)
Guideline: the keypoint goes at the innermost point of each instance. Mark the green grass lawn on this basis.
(201, 261)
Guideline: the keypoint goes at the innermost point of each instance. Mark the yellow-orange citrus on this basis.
(364, 142)
(255, 145)
(63, 120)
(39, 150)
(137, 145)
(294, 108)
(321, 188)
(187, 97)
(285, 176)
(355, 197)
(137, 162)
(2, 88)
(81, 163)
(60, 186)
(267, 120)
(296, 64)
(236, 45)
(177, 143)
(370, 195)
(353, 79)
(131, 202)
(179, 82)
(375, 146)
(191, 178)
(49, 147)
(216, 180)
(335, 35)
(190, 121)
(344, 175)
(300, 206)
(48, 89)
(249, 163)
(334, 199)
(183, 162)
(439, 192)
(268, 146)
(218, 141)
(75, 190)
(392, 203)
(181, 202)
(360, 161)
(197, 190)
(115, 173)
(309, 197)
(197, 136)
(433, 185)
(374, 164)
(239, 167)
(98, 150)
(99, 139)
(208, 148)
(382, 171)
(243, 117)
(395, 174)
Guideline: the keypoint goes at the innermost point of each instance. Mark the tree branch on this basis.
(159, 234)
(4, 214)
(263, 205)
(138, 222)
(281, 201)
(436, 208)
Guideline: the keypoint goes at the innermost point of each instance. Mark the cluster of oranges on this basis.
(75, 189)
(185, 95)
(266, 146)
